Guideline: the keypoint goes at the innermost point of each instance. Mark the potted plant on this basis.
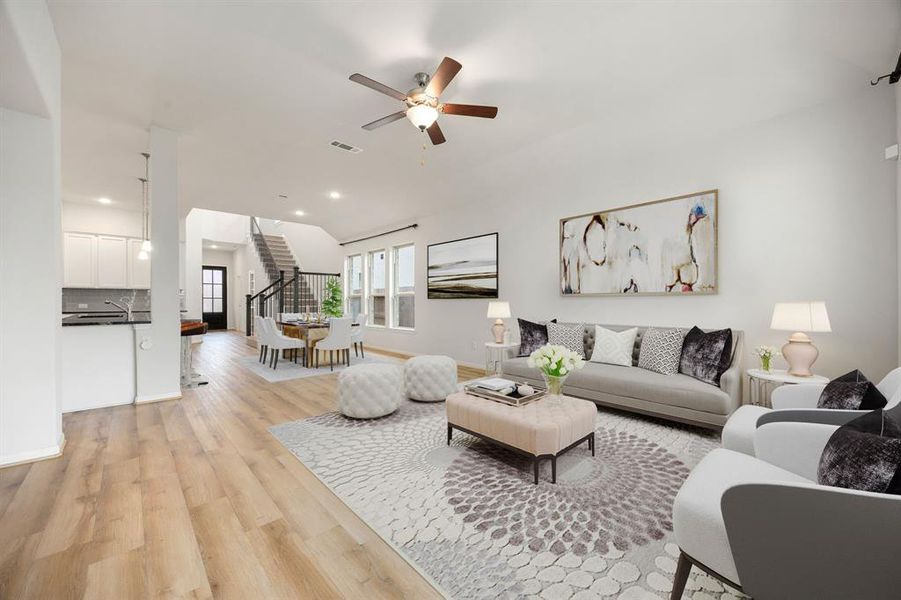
(332, 304)
(555, 364)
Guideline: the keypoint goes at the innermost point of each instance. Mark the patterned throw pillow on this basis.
(706, 356)
(571, 337)
(532, 336)
(865, 454)
(661, 350)
(613, 347)
(851, 391)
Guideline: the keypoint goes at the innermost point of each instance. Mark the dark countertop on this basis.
(105, 318)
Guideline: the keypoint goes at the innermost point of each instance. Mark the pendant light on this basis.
(144, 254)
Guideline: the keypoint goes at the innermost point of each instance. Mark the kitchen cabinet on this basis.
(112, 262)
(103, 261)
(138, 270)
(80, 260)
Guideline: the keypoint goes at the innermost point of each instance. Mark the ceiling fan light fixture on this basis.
(422, 115)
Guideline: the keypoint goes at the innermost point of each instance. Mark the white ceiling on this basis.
(258, 90)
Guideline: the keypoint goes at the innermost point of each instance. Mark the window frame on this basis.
(370, 307)
(348, 271)
(396, 292)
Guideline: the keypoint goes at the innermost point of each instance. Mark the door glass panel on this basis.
(207, 276)
(217, 291)
(217, 276)
(217, 305)
(207, 305)
(207, 290)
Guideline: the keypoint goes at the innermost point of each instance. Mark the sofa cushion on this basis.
(706, 356)
(661, 350)
(613, 347)
(568, 336)
(633, 382)
(697, 514)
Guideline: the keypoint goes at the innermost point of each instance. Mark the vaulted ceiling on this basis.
(259, 90)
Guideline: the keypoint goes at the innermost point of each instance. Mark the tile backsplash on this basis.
(92, 299)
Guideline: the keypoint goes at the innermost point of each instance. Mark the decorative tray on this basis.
(512, 399)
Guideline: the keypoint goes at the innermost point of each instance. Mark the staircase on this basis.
(276, 257)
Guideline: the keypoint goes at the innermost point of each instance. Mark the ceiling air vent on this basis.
(346, 147)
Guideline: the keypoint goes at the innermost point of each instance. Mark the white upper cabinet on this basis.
(80, 260)
(138, 270)
(104, 261)
(112, 262)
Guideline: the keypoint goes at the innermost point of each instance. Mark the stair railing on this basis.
(308, 289)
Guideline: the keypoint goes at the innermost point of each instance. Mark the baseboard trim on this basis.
(405, 354)
(35, 455)
(157, 398)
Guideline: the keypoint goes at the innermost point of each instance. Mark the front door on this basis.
(215, 292)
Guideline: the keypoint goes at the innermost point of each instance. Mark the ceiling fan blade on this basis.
(385, 120)
(446, 71)
(435, 134)
(379, 87)
(470, 110)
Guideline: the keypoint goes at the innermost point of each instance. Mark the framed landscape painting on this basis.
(665, 247)
(465, 268)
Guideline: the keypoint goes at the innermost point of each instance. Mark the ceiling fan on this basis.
(422, 105)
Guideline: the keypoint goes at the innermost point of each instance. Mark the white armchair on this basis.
(797, 403)
(765, 527)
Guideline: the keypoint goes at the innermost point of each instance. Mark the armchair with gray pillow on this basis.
(797, 403)
(764, 526)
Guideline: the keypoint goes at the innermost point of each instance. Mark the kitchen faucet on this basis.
(125, 307)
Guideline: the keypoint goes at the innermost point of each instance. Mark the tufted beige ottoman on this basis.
(545, 428)
(370, 391)
(430, 378)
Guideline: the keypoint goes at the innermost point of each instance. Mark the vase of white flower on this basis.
(766, 355)
(555, 364)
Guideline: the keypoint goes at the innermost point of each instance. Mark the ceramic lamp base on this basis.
(800, 354)
(498, 329)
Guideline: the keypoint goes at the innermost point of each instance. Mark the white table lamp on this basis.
(800, 317)
(498, 311)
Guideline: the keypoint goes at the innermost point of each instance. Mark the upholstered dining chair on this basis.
(277, 342)
(339, 338)
(764, 526)
(797, 403)
(260, 330)
(356, 334)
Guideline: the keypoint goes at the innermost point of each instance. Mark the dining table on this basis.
(308, 331)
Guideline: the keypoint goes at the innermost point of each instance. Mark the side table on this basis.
(495, 354)
(761, 383)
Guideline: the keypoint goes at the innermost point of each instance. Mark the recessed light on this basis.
(213, 246)
(334, 195)
(299, 213)
(104, 201)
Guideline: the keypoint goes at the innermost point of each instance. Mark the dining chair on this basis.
(339, 338)
(278, 341)
(260, 332)
(356, 334)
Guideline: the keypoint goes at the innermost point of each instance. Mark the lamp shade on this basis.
(498, 310)
(800, 316)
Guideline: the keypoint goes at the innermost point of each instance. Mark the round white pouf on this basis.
(430, 378)
(370, 391)
(738, 432)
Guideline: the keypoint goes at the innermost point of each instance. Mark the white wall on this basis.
(77, 216)
(158, 366)
(30, 234)
(807, 211)
(222, 258)
(314, 248)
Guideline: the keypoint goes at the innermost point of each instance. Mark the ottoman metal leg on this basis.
(535, 466)
(450, 433)
(554, 469)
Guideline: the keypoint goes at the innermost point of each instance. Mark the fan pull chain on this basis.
(422, 160)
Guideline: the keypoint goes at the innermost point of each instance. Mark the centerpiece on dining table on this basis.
(555, 363)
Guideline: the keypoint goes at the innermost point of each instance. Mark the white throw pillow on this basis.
(613, 347)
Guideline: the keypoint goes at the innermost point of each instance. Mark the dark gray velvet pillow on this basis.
(532, 336)
(865, 454)
(706, 356)
(851, 391)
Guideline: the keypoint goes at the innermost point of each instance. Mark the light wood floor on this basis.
(192, 499)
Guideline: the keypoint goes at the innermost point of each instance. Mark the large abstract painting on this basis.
(464, 268)
(662, 247)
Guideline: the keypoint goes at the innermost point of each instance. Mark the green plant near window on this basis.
(334, 299)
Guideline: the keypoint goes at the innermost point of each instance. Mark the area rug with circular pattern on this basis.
(469, 517)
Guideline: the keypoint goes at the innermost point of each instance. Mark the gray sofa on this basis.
(676, 397)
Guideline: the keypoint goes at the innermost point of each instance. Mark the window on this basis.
(381, 283)
(377, 287)
(354, 289)
(404, 287)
